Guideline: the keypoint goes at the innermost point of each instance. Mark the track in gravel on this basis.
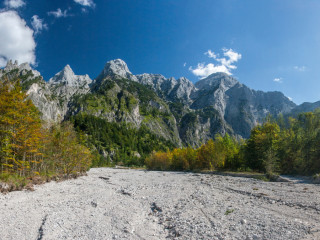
(135, 204)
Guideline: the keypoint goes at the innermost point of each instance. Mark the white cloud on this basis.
(16, 39)
(14, 3)
(278, 80)
(300, 68)
(203, 70)
(38, 24)
(225, 64)
(232, 55)
(59, 13)
(185, 64)
(85, 3)
(211, 54)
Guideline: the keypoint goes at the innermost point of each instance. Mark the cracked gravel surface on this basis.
(136, 204)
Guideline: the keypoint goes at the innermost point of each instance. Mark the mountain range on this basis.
(175, 109)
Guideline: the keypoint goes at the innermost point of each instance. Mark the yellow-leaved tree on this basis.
(64, 154)
(20, 131)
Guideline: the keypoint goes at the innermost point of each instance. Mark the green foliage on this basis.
(288, 146)
(27, 81)
(227, 151)
(178, 110)
(262, 147)
(123, 143)
(121, 96)
(64, 152)
(228, 211)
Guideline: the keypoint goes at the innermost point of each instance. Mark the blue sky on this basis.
(268, 45)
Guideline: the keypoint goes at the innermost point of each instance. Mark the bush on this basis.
(158, 161)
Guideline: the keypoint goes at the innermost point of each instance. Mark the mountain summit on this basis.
(66, 76)
(216, 79)
(117, 68)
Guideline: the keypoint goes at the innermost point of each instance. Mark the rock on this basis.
(116, 68)
(243, 221)
(255, 237)
(4, 186)
(65, 84)
(40, 94)
(22, 68)
(136, 154)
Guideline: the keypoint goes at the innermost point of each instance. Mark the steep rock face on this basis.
(169, 89)
(183, 90)
(212, 92)
(65, 84)
(216, 79)
(241, 107)
(197, 127)
(155, 81)
(245, 108)
(46, 102)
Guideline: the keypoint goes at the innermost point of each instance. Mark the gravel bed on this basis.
(136, 204)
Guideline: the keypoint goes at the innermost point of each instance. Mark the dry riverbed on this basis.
(136, 204)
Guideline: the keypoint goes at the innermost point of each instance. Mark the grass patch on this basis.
(229, 211)
(261, 178)
(14, 182)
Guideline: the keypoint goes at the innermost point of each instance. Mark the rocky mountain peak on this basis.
(68, 77)
(117, 67)
(24, 67)
(215, 79)
(11, 66)
(67, 69)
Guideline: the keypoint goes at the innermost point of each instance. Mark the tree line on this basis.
(277, 146)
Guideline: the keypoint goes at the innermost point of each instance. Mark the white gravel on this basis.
(135, 204)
